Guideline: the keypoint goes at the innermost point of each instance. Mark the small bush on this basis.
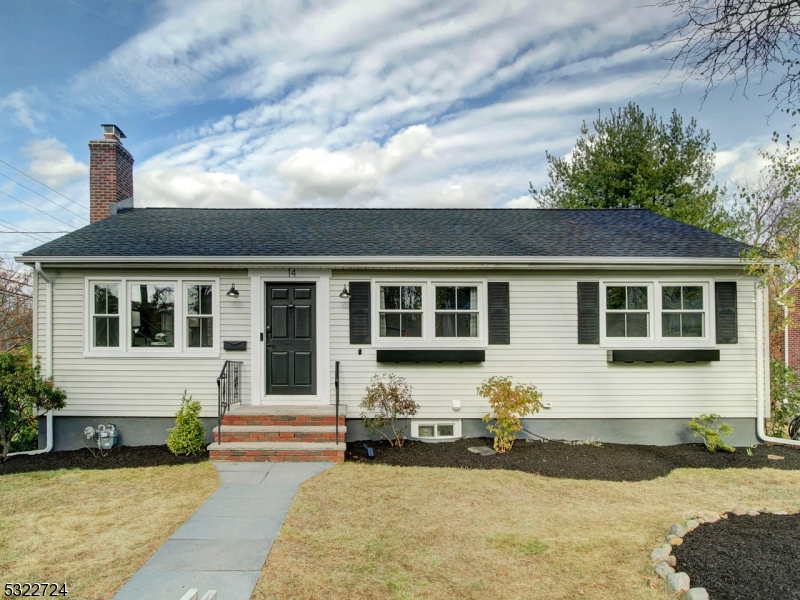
(510, 404)
(704, 427)
(784, 394)
(189, 435)
(28, 437)
(388, 399)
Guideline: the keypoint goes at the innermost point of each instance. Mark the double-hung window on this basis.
(199, 316)
(682, 311)
(105, 315)
(627, 311)
(456, 311)
(401, 311)
(447, 313)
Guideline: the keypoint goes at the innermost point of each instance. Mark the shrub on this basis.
(23, 393)
(189, 435)
(784, 394)
(510, 404)
(388, 399)
(704, 427)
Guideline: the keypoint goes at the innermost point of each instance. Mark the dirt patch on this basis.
(744, 557)
(120, 457)
(609, 462)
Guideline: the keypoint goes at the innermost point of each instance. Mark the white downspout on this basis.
(49, 364)
(763, 372)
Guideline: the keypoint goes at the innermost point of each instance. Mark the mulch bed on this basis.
(744, 558)
(120, 457)
(609, 462)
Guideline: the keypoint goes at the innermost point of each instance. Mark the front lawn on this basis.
(377, 531)
(93, 528)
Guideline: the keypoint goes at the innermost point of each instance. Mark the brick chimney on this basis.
(110, 174)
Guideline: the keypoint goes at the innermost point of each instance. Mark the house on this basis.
(628, 322)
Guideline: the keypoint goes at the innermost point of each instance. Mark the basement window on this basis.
(436, 430)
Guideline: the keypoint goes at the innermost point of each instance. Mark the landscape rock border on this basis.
(664, 562)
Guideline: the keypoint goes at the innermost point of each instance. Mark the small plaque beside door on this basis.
(235, 346)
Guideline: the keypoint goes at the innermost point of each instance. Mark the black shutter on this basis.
(588, 312)
(499, 331)
(360, 332)
(727, 329)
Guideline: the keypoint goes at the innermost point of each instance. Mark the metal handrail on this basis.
(227, 390)
(336, 383)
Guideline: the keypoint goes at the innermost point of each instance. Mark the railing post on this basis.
(336, 383)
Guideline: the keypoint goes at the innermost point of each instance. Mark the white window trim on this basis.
(429, 339)
(215, 316)
(456, 423)
(180, 349)
(91, 314)
(656, 339)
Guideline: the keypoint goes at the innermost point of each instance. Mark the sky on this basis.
(410, 103)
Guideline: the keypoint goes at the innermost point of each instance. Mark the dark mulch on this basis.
(610, 462)
(120, 457)
(744, 558)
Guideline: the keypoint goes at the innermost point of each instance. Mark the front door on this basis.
(291, 339)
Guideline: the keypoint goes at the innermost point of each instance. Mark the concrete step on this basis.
(279, 433)
(277, 451)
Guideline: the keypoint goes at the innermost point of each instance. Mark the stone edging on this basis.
(664, 562)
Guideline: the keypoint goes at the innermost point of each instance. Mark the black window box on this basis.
(436, 356)
(668, 356)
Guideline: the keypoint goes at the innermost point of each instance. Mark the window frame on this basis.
(655, 309)
(186, 283)
(180, 348)
(92, 314)
(455, 311)
(416, 423)
(429, 339)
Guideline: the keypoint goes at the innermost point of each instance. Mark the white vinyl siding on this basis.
(138, 384)
(577, 379)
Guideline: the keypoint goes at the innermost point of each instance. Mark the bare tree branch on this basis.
(16, 306)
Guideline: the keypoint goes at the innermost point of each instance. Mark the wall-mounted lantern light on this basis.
(344, 293)
(233, 292)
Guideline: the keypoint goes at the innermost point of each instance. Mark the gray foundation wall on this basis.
(145, 431)
(649, 432)
(133, 431)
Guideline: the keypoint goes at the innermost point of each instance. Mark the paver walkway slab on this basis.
(225, 543)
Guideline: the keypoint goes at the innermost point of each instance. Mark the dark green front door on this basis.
(291, 339)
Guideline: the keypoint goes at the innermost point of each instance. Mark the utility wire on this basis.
(2, 291)
(35, 232)
(34, 208)
(21, 231)
(43, 196)
(42, 184)
(16, 281)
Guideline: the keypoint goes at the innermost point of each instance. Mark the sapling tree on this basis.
(387, 400)
(510, 404)
(189, 434)
(23, 394)
(711, 430)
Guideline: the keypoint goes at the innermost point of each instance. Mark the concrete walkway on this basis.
(225, 543)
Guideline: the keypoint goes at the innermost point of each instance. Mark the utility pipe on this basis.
(762, 372)
(49, 364)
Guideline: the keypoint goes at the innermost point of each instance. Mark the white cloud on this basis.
(188, 188)
(317, 173)
(52, 163)
(18, 103)
(741, 163)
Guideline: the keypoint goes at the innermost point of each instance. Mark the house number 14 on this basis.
(292, 273)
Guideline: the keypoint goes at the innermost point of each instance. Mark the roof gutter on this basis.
(49, 364)
(367, 261)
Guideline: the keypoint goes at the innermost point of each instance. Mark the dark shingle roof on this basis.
(155, 232)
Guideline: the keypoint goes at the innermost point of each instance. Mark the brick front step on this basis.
(277, 451)
(282, 420)
(279, 433)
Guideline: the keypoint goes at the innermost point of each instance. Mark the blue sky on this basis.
(313, 103)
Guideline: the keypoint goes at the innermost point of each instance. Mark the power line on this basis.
(22, 231)
(35, 232)
(42, 184)
(34, 208)
(45, 197)
(16, 281)
(2, 291)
